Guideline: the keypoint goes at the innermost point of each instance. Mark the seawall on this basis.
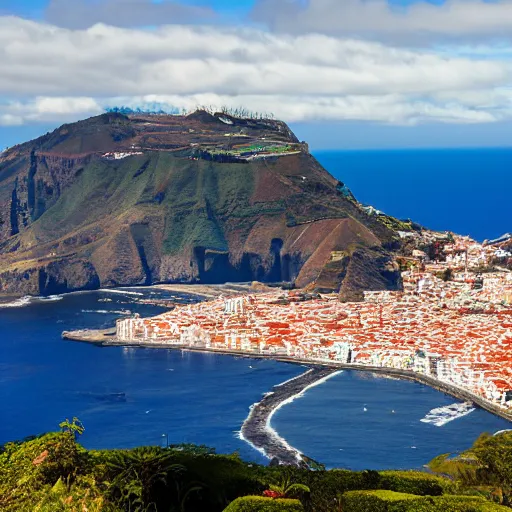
(106, 338)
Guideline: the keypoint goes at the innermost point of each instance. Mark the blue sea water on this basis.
(129, 397)
(366, 421)
(192, 398)
(462, 190)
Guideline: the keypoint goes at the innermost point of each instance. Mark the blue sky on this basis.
(35, 8)
(347, 74)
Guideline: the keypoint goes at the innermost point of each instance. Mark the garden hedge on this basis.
(390, 501)
(415, 482)
(375, 501)
(328, 486)
(452, 503)
(261, 504)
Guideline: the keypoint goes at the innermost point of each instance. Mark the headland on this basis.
(200, 198)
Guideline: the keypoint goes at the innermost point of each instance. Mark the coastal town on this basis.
(450, 322)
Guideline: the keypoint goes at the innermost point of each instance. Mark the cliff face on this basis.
(117, 200)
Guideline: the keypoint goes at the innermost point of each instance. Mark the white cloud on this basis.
(51, 73)
(50, 109)
(419, 22)
(386, 108)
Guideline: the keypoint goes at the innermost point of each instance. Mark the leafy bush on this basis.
(486, 467)
(415, 482)
(376, 501)
(260, 504)
(390, 501)
(449, 503)
(326, 486)
(53, 473)
(46, 473)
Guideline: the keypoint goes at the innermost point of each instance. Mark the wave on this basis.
(502, 432)
(268, 425)
(106, 312)
(27, 300)
(240, 436)
(50, 298)
(18, 303)
(121, 292)
(443, 415)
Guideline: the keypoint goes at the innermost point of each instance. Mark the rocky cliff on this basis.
(140, 199)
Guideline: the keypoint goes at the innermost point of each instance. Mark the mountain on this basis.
(140, 199)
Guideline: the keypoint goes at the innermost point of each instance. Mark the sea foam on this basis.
(271, 429)
(121, 292)
(443, 415)
(292, 379)
(27, 300)
(106, 312)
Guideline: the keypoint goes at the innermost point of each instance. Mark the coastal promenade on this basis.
(106, 338)
(450, 329)
(257, 429)
(458, 331)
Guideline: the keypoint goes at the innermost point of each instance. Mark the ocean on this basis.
(129, 397)
(462, 190)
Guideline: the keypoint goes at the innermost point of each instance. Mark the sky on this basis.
(347, 74)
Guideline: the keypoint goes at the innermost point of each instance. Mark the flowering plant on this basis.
(272, 494)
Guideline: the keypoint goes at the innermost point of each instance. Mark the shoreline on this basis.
(198, 291)
(257, 430)
(104, 338)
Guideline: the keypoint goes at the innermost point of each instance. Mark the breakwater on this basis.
(257, 430)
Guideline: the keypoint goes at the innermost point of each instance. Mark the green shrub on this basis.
(261, 504)
(375, 501)
(41, 472)
(390, 501)
(415, 482)
(327, 486)
(448, 504)
(224, 478)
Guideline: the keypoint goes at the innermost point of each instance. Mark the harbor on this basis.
(107, 338)
(173, 389)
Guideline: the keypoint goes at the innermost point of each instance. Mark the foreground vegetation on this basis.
(53, 473)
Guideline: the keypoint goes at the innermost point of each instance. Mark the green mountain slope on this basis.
(126, 200)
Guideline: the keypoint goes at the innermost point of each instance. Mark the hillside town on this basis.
(452, 321)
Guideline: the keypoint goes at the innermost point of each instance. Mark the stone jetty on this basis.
(256, 428)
